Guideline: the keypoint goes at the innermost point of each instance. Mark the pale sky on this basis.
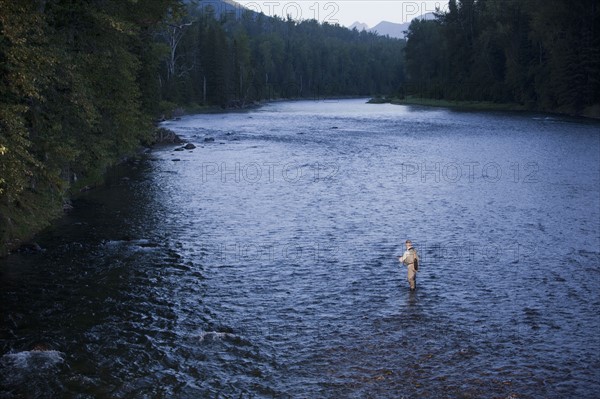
(345, 12)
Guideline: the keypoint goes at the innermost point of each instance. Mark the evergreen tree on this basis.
(541, 54)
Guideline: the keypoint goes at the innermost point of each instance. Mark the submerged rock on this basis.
(209, 139)
(165, 136)
(30, 248)
(189, 146)
(67, 206)
(40, 357)
(148, 244)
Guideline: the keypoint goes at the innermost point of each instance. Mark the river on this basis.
(263, 263)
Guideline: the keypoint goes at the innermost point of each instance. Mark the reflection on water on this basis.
(264, 263)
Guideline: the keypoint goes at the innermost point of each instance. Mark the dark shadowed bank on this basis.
(19, 228)
(76, 97)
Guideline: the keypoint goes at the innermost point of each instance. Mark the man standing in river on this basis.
(411, 260)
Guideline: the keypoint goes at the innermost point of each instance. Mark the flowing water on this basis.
(264, 263)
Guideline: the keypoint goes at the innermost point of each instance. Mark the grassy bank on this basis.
(466, 105)
(592, 112)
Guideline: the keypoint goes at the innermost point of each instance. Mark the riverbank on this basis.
(38, 209)
(171, 111)
(590, 112)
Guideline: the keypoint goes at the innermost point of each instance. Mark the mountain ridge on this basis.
(391, 29)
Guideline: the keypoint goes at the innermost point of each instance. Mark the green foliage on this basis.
(23, 62)
(77, 91)
(540, 54)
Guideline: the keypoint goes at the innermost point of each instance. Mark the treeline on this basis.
(233, 59)
(77, 81)
(81, 83)
(542, 54)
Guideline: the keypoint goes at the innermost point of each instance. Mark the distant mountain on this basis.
(390, 29)
(360, 26)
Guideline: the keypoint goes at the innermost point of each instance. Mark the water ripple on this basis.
(264, 264)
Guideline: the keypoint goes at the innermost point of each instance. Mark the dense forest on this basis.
(232, 60)
(542, 54)
(81, 83)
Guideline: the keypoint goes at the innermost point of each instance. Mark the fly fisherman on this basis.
(411, 260)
